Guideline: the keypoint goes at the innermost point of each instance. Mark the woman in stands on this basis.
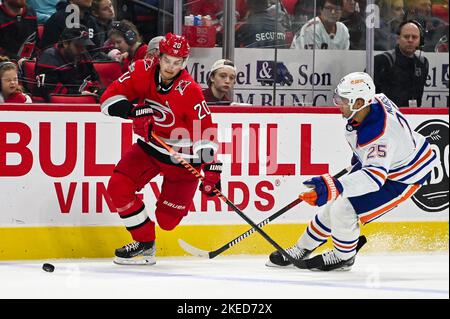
(104, 14)
(11, 91)
(125, 37)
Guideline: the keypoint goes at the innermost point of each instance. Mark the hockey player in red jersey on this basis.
(171, 105)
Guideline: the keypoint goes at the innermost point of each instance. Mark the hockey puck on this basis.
(48, 267)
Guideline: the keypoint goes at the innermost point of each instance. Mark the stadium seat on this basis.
(37, 99)
(108, 71)
(73, 99)
(29, 77)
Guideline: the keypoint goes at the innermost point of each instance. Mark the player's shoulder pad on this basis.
(373, 126)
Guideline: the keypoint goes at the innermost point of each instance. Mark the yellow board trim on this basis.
(20, 243)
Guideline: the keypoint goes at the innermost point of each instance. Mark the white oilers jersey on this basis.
(313, 35)
(387, 148)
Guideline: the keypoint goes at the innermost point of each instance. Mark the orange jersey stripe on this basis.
(427, 155)
(383, 210)
(383, 177)
(345, 246)
(316, 230)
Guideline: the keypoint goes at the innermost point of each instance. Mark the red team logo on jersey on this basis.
(162, 115)
(182, 85)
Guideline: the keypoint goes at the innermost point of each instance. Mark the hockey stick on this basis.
(211, 254)
(298, 263)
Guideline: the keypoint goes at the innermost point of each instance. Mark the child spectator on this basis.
(221, 82)
(10, 90)
(125, 37)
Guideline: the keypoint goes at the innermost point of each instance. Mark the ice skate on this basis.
(329, 261)
(136, 253)
(278, 260)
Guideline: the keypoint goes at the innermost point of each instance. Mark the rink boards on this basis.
(55, 162)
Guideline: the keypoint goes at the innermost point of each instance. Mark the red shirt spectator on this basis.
(125, 37)
(10, 90)
(140, 54)
(18, 97)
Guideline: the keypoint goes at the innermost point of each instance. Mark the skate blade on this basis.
(341, 269)
(134, 261)
(271, 264)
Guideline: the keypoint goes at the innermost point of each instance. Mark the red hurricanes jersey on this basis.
(181, 115)
(16, 98)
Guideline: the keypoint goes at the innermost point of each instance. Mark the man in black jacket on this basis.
(401, 73)
(67, 17)
(67, 68)
(261, 30)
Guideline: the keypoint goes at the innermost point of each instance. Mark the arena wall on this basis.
(55, 161)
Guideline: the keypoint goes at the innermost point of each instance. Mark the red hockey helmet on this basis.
(175, 45)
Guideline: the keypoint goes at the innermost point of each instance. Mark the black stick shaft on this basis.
(263, 223)
(298, 263)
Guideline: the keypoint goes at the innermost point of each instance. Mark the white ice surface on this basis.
(422, 275)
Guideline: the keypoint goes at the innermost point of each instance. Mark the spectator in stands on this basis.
(103, 12)
(401, 73)
(434, 28)
(125, 37)
(282, 14)
(303, 12)
(10, 90)
(153, 47)
(221, 80)
(392, 15)
(324, 31)
(261, 29)
(67, 68)
(354, 21)
(57, 22)
(44, 8)
(18, 29)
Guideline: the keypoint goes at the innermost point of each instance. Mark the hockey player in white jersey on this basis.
(391, 162)
(324, 31)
